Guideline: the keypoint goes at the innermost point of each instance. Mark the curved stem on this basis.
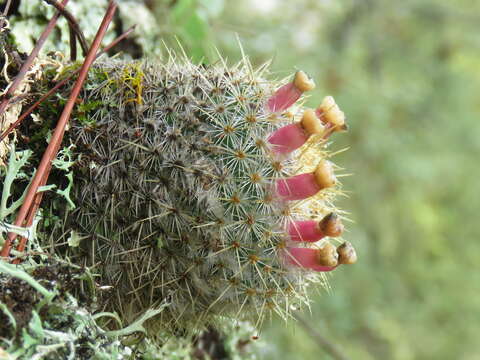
(321, 340)
(72, 22)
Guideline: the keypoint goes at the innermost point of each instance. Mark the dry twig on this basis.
(5, 12)
(73, 24)
(26, 65)
(32, 199)
(60, 84)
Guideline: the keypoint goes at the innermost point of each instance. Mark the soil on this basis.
(21, 299)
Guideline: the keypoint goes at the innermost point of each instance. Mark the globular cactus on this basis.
(197, 186)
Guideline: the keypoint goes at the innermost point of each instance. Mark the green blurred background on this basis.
(407, 74)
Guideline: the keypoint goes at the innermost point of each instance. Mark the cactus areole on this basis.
(207, 188)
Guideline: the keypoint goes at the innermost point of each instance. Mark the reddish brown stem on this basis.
(60, 84)
(73, 45)
(31, 216)
(5, 12)
(52, 149)
(7, 7)
(332, 349)
(117, 40)
(26, 65)
(72, 23)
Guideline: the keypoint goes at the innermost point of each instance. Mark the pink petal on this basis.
(284, 97)
(298, 187)
(305, 231)
(288, 138)
(305, 258)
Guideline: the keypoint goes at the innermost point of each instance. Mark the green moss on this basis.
(84, 109)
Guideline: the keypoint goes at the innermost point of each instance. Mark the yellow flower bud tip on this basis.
(331, 225)
(335, 117)
(346, 254)
(327, 256)
(302, 82)
(330, 112)
(324, 175)
(311, 123)
(328, 102)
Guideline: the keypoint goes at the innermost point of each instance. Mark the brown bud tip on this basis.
(328, 256)
(324, 175)
(302, 82)
(331, 225)
(311, 123)
(346, 254)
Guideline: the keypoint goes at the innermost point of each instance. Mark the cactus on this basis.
(198, 187)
